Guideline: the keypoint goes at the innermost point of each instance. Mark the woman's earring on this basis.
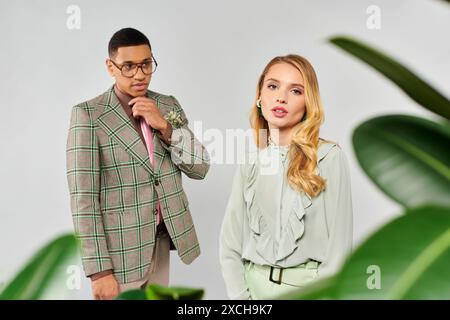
(258, 104)
(304, 117)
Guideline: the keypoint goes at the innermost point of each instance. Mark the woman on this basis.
(289, 216)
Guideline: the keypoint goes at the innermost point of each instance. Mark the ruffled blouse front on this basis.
(269, 223)
(275, 210)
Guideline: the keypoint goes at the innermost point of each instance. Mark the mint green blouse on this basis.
(269, 223)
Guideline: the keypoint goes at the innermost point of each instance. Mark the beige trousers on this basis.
(158, 272)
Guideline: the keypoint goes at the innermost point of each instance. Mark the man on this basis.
(126, 150)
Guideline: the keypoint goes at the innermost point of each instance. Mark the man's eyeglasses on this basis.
(129, 70)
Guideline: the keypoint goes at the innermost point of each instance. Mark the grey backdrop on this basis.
(210, 55)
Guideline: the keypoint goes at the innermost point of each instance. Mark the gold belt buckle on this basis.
(279, 278)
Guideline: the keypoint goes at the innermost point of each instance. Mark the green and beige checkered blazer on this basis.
(114, 188)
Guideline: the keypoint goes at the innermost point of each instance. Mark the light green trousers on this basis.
(283, 282)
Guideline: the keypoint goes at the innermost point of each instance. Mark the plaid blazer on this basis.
(114, 188)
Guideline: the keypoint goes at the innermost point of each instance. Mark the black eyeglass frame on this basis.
(138, 66)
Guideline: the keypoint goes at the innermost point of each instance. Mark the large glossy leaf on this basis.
(407, 157)
(132, 295)
(47, 267)
(416, 88)
(319, 290)
(409, 257)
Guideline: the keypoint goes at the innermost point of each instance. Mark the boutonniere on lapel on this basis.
(174, 118)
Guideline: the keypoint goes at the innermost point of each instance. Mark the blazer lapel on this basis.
(118, 127)
(158, 151)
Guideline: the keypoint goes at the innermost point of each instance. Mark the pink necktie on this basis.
(148, 137)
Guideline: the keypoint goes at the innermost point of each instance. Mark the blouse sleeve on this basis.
(338, 211)
(231, 241)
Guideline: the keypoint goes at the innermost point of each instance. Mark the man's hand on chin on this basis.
(147, 109)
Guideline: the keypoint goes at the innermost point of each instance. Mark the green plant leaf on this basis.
(132, 295)
(322, 289)
(47, 267)
(407, 157)
(157, 292)
(410, 257)
(413, 255)
(416, 88)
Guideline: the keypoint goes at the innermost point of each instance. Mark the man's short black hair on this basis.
(126, 37)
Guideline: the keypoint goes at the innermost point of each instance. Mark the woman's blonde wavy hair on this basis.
(305, 139)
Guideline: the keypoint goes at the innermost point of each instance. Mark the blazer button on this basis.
(156, 182)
